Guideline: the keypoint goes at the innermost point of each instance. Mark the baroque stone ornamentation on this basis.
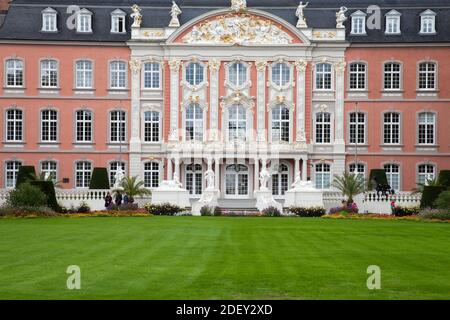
(237, 29)
(236, 98)
(238, 5)
(175, 12)
(137, 16)
(174, 65)
(135, 65)
(341, 18)
(301, 65)
(301, 17)
(261, 65)
(214, 65)
(340, 66)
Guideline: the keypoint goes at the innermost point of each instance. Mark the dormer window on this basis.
(358, 22)
(84, 21)
(393, 22)
(428, 22)
(49, 20)
(118, 21)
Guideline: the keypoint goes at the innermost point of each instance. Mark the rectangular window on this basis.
(357, 76)
(323, 76)
(113, 168)
(84, 126)
(392, 74)
(14, 73)
(393, 25)
(323, 176)
(427, 121)
(118, 75)
(83, 174)
(391, 128)
(393, 176)
(152, 75)
(11, 172)
(118, 24)
(49, 22)
(118, 126)
(357, 128)
(84, 74)
(84, 23)
(14, 125)
(49, 74)
(323, 127)
(427, 76)
(427, 172)
(358, 25)
(49, 169)
(427, 24)
(151, 175)
(49, 126)
(151, 126)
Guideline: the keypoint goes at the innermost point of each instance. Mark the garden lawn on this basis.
(223, 258)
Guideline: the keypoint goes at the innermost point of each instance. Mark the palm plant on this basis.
(350, 185)
(132, 187)
(432, 182)
(44, 177)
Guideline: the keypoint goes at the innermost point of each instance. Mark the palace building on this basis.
(169, 90)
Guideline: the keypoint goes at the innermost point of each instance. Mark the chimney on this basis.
(4, 5)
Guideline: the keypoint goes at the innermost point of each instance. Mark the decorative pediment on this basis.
(238, 29)
(238, 98)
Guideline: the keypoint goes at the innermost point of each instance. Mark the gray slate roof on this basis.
(23, 20)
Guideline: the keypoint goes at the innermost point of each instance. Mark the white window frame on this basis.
(428, 74)
(358, 125)
(282, 179)
(84, 21)
(16, 123)
(321, 175)
(18, 73)
(390, 174)
(153, 75)
(118, 18)
(151, 125)
(195, 73)
(358, 23)
(51, 167)
(117, 127)
(361, 169)
(323, 128)
(393, 73)
(287, 123)
(151, 174)
(425, 175)
(87, 126)
(112, 168)
(11, 183)
(428, 22)
(240, 77)
(321, 85)
(49, 68)
(194, 179)
(281, 74)
(393, 20)
(117, 73)
(238, 123)
(392, 127)
(198, 125)
(50, 125)
(49, 20)
(84, 74)
(426, 126)
(358, 74)
(85, 172)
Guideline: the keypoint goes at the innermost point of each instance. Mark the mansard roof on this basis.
(23, 20)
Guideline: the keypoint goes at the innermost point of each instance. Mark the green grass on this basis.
(223, 258)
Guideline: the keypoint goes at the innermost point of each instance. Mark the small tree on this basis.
(26, 195)
(48, 188)
(99, 179)
(350, 185)
(444, 178)
(132, 187)
(429, 195)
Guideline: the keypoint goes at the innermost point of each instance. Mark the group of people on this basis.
(119, 200)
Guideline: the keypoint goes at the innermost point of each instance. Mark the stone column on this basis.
(296, 167)
(261, 66)
(217, 173)
(339, 109)
(174, 65)
(305, 169)
(169, 169)
(135, 139)
(214, 67)
(256, 177)
(300, 66)
(177, 168)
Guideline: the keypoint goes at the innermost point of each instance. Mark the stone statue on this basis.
(298, 181)
(210, 179)
(137, 16)
(173, 136)
(264, 177)
(176, 180)
(341, 18)
(238, 5)
(301, 17)
(118, 178)
(175, 12)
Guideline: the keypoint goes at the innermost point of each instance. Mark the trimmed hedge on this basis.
(271, 212)
(25, 174)
(429, 195)
(48, 188)
(400, 211)
(99, 179)
(308, 212)
(444, 178)
(379, 175)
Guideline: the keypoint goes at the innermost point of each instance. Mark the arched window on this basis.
(84, 72)
(280, 123)
(49, 126)
(236, 180)
(357, 128)
(14, 73)
(118, 75)
(391, 128)
(50, 169)
(49, 73)
(360, 170)
(426, 130)
(427, 172)
(49, 20)
(392, 76)
(323, 76)
(194, 73)
(194, 123)
(237, 73)
(280, 180)
(152, 75)
(151, 175)
(323, 176)
(393, 175)
(11, 172)
(281, 74)
(427, 76)
(323, 127)
(194, 179)
(237, 123)
(14, 125)
(151, 126)
(118, 18)
(113, 168)
(83, 172)
(118, 126)
(84, 21)
(357, 73)
(83, 124)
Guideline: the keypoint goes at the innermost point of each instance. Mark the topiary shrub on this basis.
(271, 212)
(429, 196)
(165, 209)
(25, 174)
(443, 201)
(99, 179)
(25, 211)
(378, 175)
(444, 178)
(83, 208)
(308, 212)
(400, 211)
(26, 195)
(48, 188)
